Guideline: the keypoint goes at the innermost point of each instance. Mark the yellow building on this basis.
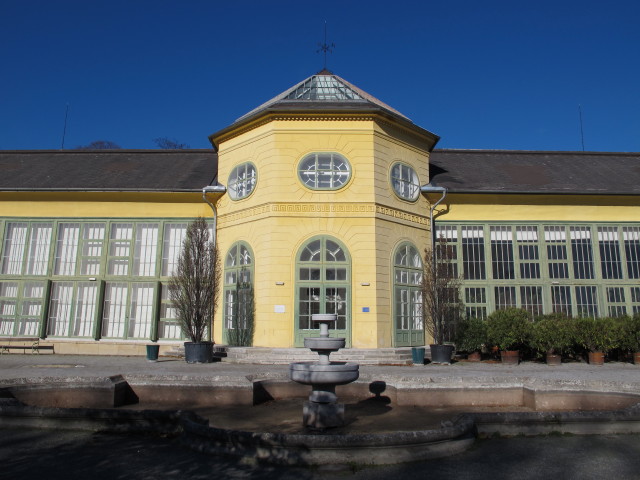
(327, 209)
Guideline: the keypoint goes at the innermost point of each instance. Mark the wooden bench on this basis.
(22, 343)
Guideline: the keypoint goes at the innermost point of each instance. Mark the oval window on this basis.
(324, 171)
(242, 181)
(405, 181)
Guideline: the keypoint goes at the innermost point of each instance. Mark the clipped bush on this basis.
(472, 335)
(630, 333)
(509, 329)
(598, 334)
(552, 334)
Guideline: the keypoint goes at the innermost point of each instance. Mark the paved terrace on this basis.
(60, 368)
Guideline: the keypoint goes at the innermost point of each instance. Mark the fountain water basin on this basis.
(323, 410)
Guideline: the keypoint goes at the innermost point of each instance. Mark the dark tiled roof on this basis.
(504, 171)
(107, 170)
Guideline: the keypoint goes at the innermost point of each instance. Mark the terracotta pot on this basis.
(474, 357)
(636, 358)
(510, 357)
(553, 359)
(596, 358)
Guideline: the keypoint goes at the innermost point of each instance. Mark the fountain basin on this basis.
(334, 373)
(324, 343)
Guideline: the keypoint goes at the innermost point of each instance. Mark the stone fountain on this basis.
(322, 410)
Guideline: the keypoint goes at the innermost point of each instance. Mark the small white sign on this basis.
(278, 309)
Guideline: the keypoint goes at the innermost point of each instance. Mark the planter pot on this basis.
(200, 352)
(474, 357)
(553, 359)
(636, 358)
(596, 358)
(417, 354)
(441, 353)
(152, 352)
(510, 357)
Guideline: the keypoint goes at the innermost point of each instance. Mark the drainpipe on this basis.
(213, 189)
(434, 238)
(432, 223)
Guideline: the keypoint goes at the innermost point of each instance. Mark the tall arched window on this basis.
(407, 280)
(323, 285)
(238, 289)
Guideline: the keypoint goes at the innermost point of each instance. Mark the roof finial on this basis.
(324, 47)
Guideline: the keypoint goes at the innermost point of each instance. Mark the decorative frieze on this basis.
(297, 209)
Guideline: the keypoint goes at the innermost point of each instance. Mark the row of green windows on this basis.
(574, 269)
(536, 252)
(119, 248)
(87, 309)
(89, 278)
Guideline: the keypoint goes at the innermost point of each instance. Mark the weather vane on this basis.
(324, 47)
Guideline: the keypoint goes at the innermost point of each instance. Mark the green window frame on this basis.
(238, 283)
(21, 307)
(407, 294)
(323, 285)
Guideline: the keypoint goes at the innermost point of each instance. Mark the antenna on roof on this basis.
(581, 130)
(64, 131)
(324, 47)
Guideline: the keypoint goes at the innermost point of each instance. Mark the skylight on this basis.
(323, 87)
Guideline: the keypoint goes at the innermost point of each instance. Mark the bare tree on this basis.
(194, 286)
(441, 292)
(167, 143)
(99, 145)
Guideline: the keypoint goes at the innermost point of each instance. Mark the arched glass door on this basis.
(323, 285)
(407, 294)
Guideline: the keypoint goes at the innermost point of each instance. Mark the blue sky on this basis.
(492, 74)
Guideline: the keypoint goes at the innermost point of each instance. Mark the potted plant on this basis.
(193, 289)
(472, 337)
(551, 335)
(630, 336)
(441, 300)
(509, 330)
(597, 336)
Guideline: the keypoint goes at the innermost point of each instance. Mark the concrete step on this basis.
(265, 355)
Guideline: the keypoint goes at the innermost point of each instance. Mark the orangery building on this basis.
(321, 199)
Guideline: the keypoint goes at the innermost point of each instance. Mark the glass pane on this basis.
(115, 310)
(561, 299)
(39, 247)
(311, 252)
(334, 252)
(92, 242)
(85, 306)
(60, 308)
(13, 251)
(120, 246)
(141, 310)
(174, 234)
(66, 249)
(144, 259)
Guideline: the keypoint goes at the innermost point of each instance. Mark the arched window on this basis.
(323, 285)
(238, 291)
(242, 181)
(405, 182)
(324, 171)
(407, 281)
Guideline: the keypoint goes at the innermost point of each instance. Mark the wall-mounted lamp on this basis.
(279, 283)
(365, 284)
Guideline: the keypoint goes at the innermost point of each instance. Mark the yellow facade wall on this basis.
(103, 204)
(281, 215)
(539, 208)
